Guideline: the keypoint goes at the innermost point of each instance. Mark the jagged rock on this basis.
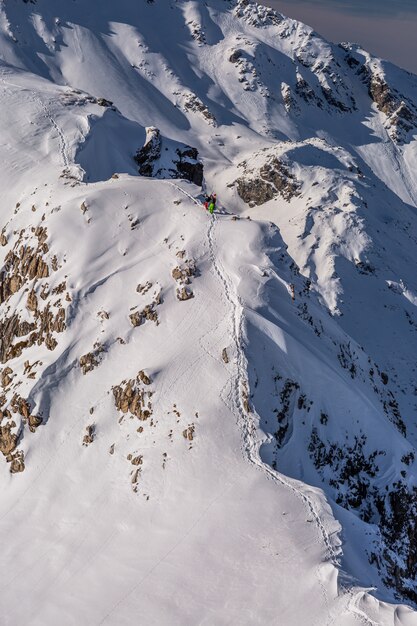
(150, 153)
(184, 294)
(8, 439)
(235, 56)
(22, 264)
(193, 103)
(142, 289)
(34, 421)
(136, 318)
(272, 179)
(225, 355)
(144, 378)
(91, 360)
(188, 166)
(183, 273)
(17, 464)
(401, 118)
(130, 398)
(6, 377)
(102, 102)
(90, 435)
(188, 433)
(32, 301)
(178, 160)
(148, 313)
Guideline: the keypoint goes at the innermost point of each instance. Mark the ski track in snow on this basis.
(251, 448)
(60, 149)
(63, 145)
(248, 428)
(239, 381)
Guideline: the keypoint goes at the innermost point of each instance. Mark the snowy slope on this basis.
(206, 420)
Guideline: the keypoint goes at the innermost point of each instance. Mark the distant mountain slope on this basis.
(206, 420)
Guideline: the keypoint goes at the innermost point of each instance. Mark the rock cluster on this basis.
(23, 264)
(182, 274)
(130, 398)
(91, 360)
(272, 179)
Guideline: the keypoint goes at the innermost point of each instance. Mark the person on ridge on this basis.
(210, 203)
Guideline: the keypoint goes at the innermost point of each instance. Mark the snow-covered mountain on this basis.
(204, 420)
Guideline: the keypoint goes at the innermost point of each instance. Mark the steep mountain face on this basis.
(204, 420)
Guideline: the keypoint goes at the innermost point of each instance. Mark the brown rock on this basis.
(144, 378)
(17, 463)
(8, 440)
(188, 433)
(90, 435)
(6, 377)
(32, 301)
(184, 294)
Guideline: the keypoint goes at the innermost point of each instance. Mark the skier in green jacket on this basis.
(210, 203)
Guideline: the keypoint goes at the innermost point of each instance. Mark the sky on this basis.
(387, 28)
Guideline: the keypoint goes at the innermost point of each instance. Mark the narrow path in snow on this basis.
(247, 424)
(63, 145)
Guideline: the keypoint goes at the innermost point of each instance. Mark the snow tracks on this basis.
(247, 421)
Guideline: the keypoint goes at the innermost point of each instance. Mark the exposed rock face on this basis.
(184, 294)
(355, 473)
(273, 178)
(17, 463)
(188, 165)
(401, 113)
(23, 264)
(147, 156)
(91, 360)
(401, 119)
(188, 433)
(129, 397)
(8, 439)
(183, 274)
(257, 15)
(148, 313)
(194, 104)
(162, 158)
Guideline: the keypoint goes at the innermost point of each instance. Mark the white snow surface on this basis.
(216, 523)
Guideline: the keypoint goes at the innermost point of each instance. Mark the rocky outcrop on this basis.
(257, 15)
(183, 274)
(130, 398)
(147, 156)
(8, 439)
(184, 294)
(89, 434)
(270, 180)
(193, 104)
(91, 360)
(148, 313)
(163, 158)
(188, 166)
(401, 118)
(22, 264)
(355, 473)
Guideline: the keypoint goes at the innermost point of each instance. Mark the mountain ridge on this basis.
(276, 341)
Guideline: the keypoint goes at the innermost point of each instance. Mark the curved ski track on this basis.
(247, 425)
